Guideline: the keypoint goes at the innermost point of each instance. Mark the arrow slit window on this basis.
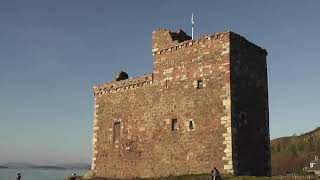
(116, 132)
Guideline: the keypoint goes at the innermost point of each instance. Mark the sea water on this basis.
(38, 174)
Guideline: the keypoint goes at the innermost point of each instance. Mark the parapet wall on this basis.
(165, 41)
(122, 85)
(174, 45)
(164, 38)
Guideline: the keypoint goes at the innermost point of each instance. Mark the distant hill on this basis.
(47, 167)
(22, 165)
(291, 154)
(3, 167)
(18, 165)
(75, 166)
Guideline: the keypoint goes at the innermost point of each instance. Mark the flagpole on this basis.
(192, 22)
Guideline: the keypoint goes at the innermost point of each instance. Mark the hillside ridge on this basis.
(292, 153)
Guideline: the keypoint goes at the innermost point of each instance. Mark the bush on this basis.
(89, 175)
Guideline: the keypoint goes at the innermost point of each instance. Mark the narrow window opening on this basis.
(166, 84)
(199, 84)
(116, 132)
(260, 130)
(243, 117)
(191, 126)
(174, 124)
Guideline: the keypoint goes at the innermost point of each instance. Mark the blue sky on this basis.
(53, 52)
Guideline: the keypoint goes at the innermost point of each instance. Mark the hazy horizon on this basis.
(53, 52)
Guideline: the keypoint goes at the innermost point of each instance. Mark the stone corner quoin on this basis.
(204, 105)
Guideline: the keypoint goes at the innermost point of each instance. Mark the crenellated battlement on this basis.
(164, 38)
(115, 86)
(215, 36)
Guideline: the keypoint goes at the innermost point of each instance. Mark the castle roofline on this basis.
(185, 42)
(216, 35)
(115, 86)
(242, 38)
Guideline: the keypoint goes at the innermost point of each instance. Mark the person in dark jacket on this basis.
(215, 174)
(18, 176)
(73, 177)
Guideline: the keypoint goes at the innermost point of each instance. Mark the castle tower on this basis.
(205, 104)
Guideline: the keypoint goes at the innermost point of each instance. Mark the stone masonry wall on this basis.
(163, 38)
(192, 113)
(250, 121)
(206, 59)
(148, 146)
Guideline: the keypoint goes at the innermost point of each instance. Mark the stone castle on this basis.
(205, 104)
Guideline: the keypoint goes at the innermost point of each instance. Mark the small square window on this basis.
(174, 124)
(199, 84)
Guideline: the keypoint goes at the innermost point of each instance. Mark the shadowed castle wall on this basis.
(250, 121)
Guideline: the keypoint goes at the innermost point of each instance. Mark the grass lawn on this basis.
(200, 177)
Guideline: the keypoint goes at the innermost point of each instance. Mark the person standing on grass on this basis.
(18, 176)
(218, 174)
(215, 174)
(73, 177)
